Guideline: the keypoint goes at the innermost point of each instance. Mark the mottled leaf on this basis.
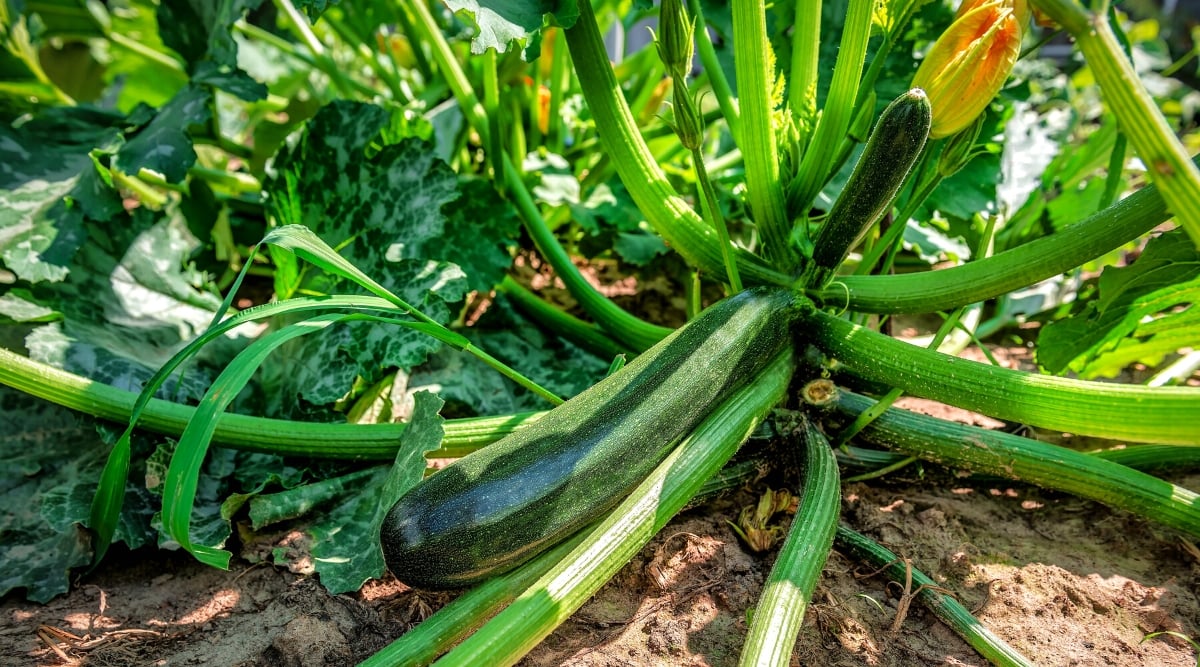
(342, 537)
(470, 388)
(499, 23)
(49, 186)
(164, 144)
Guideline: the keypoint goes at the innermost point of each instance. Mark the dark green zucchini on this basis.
(498, 507)
(890, 154)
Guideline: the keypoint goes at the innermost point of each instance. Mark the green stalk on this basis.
(1166, 159)
(561, 322)
(806, 51)
(491, 107)
(1134, 413)
(755, 68)
(325, 63)
(560, 84)
(627, 328)
(716, 76)
(838, 109)
(945, 607)
(359, 442)
(1049, 466)
(1048, 256)
(785, 597)
(665, 210)
(717, 219)
(566, 587)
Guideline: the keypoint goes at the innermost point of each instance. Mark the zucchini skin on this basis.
(496, 508)
(889, 156)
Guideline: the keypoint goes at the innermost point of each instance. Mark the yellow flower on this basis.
(970, 61)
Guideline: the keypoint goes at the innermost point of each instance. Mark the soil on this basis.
(1064, 581)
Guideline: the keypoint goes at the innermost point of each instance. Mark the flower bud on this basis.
(674, 41)
(688, 125)
(958, 150)
(970, 62)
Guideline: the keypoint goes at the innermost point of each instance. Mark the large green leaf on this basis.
(341, 538)
(500, 23)
(130, 302)
(49, 187)
(201, 32)
(164, 145)
(52, 458)
(381, 205)
(1141, 313)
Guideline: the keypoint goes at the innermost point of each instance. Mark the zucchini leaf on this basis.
(499, 23)
(341, 532)
(52, 459)
(1142, 312)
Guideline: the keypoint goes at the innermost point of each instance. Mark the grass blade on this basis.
(945, 607)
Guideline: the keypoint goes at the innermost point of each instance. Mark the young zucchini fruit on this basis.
(500, 506)
(889, 156)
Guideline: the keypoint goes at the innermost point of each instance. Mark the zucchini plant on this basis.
(418, 153)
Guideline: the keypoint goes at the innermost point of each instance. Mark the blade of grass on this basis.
(945, 607)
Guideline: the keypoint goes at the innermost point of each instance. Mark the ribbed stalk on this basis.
(1048, 256)
(375, 442)
(754, 65)
(1133, 413)
(573, 581)
(1050, 466)
(785, 597)
(838, 108)
(945, 607)
(665, 210)
(1167, 161)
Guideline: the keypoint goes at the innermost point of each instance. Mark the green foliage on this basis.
(1140, 313)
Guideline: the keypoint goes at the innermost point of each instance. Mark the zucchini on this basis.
(500, 506)
(889, 156)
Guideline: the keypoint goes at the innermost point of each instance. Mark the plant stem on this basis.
(376, 442)
(1166, 159)
(1049, 466)
(664, 209)
(1004, 272)
(838, 109)
(1127, 412)
(945, 607)
(789, 588)
(754, 64)
(716, 76)
(806, 51)
(628, 329)
(713, 208)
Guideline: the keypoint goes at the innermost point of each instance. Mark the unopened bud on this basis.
(674, 41)
(958, 150)
(688, 125)
(970, 62)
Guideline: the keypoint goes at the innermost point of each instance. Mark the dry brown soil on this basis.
(1065, 581)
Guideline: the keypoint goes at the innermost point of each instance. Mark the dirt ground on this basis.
(1066, 582)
